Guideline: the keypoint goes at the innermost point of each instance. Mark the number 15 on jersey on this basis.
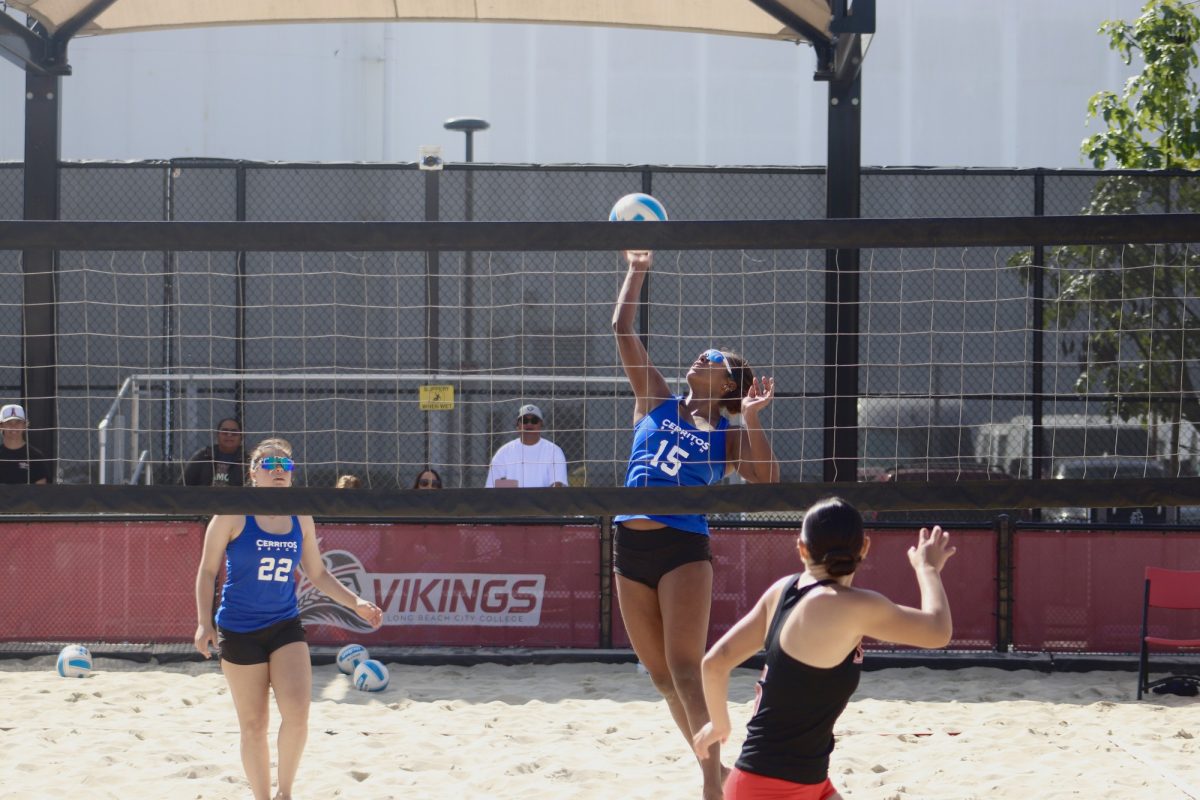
(673, 461)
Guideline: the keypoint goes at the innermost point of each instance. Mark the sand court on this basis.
(585, 731)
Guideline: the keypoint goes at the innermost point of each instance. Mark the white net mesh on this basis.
(331, 350)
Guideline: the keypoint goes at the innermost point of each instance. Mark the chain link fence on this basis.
(949, 338)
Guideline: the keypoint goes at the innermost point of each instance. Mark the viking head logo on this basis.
(317, 609)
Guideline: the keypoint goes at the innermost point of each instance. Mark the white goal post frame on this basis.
(113, 450)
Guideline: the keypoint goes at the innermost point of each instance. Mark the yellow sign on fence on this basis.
(437, 397)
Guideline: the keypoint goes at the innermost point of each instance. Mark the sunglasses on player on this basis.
(715, 356)
(530, 420)
(271, 463)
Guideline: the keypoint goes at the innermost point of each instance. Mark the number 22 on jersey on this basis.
(271, 570)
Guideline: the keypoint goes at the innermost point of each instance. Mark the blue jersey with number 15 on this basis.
(260, 578)
(668, 451)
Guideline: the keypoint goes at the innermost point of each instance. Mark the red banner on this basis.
(470, 585)
(99, 581)
(538, 586)
(1083, 591)
(503, 585)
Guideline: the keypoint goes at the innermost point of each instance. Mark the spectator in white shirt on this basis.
(528, 461)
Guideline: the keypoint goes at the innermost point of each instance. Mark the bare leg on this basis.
(685, 597)
(643, 623)
(248, 687)
(668, 628)
(291, 680)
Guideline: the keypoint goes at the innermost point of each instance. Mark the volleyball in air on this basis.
(370, 676)
(350, 656)
(637, 207)
(74, 661)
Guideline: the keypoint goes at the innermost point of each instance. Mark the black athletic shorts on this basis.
(255, 647)
(645, 556)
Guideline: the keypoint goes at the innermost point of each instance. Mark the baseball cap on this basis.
(529, 408)
(14, 411)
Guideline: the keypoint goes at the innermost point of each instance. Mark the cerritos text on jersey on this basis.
(684, 433)
(271, 544)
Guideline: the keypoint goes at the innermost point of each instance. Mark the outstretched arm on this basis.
(314, 568)
(740, 642)
(649, 386)
(756, 460)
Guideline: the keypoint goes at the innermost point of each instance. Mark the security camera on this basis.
(430, 156)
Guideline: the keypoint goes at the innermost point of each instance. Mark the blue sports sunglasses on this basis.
(271, 462)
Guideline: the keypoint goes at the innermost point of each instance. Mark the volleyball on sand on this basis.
(74, 661)
(370, 676)
(350, 657)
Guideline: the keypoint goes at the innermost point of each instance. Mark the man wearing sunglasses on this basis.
(528, 461)
(219, 464)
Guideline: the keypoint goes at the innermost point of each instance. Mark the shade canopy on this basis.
(731, 17)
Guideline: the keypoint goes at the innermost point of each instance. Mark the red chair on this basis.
(1166, 588)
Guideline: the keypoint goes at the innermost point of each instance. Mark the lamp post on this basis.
(468, 126)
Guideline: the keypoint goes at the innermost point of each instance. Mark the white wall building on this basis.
(947, 83)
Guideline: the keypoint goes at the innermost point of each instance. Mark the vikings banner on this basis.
(481, 585)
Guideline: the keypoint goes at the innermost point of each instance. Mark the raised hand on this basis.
(639, 259)
(932, 549)
(759, 396)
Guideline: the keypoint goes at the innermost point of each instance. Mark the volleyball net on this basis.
(952, 351)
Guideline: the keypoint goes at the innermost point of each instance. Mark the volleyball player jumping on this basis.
(663, 562)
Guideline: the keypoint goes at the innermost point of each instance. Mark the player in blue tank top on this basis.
(258, 630)
(663, 562)
(813, 658)
(248, 602)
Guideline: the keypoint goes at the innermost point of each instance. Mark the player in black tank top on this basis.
(790, 735)
(811, 626)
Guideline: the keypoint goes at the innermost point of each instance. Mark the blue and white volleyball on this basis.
(350, 656)
(370, 676)
(74, 661)
(637, 207)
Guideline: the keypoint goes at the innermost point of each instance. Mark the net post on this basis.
(239, 353)
(432, 300)
(606, 582)
(842, 200)
(39, 347)
(1003, 527)
(170, 327)
(1037, 287)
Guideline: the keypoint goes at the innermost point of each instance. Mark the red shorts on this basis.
(748, 786)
